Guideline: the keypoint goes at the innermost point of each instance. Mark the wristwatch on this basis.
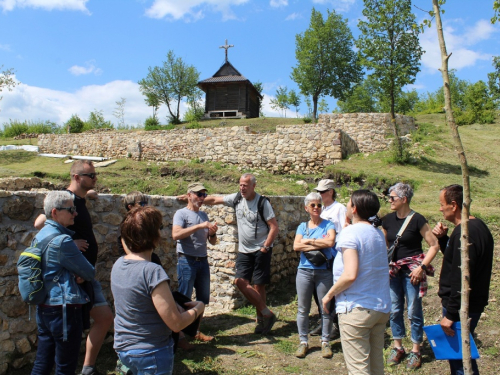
(268, 248)
(423, 266)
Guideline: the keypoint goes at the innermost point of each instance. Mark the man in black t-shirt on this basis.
(83, 180)
(480, 265)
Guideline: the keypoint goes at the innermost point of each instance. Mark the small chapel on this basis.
(229, 94)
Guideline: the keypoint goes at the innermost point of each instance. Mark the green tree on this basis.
(390, 49)
(119, 112)
(195, 109)
(323, 106)
(152, 100)
(259, 86)
(96, 121)
(294, 100)
(7, 80)
(494, 81)
(74, 124)
(363, 99)
(171, 83)
(326, 62)
(280, 102)
(478, 106)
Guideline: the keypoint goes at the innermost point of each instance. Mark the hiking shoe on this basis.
(268, 323)
(396, 356)
(301, 350)
(202, 337)
(259, 328)
(335, 332)
(316, 331)
(326, 350)
(414, 361)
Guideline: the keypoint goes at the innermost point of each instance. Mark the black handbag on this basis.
(316, 257)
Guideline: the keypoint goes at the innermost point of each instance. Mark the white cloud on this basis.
(87, 69)
(460, 42)
(293, 16)
(5, 47)
(278, 3)
(192, 10)
(78, 5)
(26, 102)
(337, 5)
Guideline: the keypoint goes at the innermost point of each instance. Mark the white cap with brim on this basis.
(325, 185)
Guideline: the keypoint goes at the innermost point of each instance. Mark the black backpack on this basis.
(260, 208)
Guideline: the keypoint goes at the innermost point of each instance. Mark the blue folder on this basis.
(447, 347)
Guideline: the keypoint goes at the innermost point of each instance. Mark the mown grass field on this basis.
(236, 349)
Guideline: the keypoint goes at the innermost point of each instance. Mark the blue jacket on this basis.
(61, 262)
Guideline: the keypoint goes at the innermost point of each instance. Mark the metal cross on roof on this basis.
(226, 47)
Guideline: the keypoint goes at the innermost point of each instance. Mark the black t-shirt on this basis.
(83, 228)
(480, 264)
(410, 243)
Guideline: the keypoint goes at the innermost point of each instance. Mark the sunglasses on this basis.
(71, 209)
(200, 194)
(323, 192)
(314, 205)
(91, 175)
(390, 198)
(142, 203)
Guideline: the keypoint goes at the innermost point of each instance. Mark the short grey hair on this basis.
(402, 190)
(312, 197)
(253, 180)
(55, 199)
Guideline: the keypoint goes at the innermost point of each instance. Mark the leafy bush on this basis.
(15, 127)
(75, 123)
(152, 123)
(194, 125)
(194, 114)
(96, 121)
(395, 156)
(307, 120)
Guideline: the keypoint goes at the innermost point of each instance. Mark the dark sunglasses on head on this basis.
(71, 209)
(200, 194)
(91, 175)
(314, 205)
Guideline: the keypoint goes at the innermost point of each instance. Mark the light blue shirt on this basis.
(370, 290)
(320, 232)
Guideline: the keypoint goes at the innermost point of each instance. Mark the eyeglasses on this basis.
(91, 175)
(314, 205)
(71, 209)
(142, 203)
(391, 198)
(200, 194)
(323, 192)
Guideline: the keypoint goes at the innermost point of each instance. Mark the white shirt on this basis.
(336, 214)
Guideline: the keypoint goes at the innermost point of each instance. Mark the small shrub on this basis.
(194, 125)
(152, 123)
(307, 120)
(75, 124)
(13, 128)
(396, 157)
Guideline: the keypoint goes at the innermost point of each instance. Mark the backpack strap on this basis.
(43, 244)
(237, 199)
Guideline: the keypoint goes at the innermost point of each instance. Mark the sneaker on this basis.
(335, 332)
(316, 331)
(414, 361)
(268, 323)
(301, 350)
(259, 328)
(396, 356)
(326, 350)
(202, 337)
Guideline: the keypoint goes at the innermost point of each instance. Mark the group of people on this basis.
(343, 264)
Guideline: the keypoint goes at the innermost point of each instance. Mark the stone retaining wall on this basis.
(18, 211)
(304, 148)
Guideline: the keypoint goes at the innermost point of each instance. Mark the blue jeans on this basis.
(308, 280)
(51, 347)
(456, 365)
(192, 273)
(150, 362)
(402, 288)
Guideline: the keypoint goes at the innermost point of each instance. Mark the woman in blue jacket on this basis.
(59, 318)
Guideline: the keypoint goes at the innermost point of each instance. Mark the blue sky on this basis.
(74, 56)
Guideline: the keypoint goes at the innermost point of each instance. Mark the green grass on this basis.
(286, 346)
(246, 310)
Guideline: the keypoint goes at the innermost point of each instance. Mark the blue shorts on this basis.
(99, 299)
(143, 362)
(194, 273)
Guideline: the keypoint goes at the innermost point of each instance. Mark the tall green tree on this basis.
(171, 82)
(294, 100)
(280, 101)
(390, 49)
(494, 81)
(326, 62)
(363, 99)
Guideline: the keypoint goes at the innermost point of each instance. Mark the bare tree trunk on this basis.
(464, 238)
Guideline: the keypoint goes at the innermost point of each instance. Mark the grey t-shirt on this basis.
(137, 322)
(247, 217)
(195, 244)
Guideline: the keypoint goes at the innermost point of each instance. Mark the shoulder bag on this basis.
(390, 251)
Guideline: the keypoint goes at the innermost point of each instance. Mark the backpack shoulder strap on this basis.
(42, 245)
(260, 208)
(237, 199)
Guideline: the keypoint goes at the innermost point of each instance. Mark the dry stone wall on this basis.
(18, 211)
(304, 148)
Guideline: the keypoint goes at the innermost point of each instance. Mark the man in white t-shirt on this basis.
(335, 212)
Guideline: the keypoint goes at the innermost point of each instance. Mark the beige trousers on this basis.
(362, 337)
